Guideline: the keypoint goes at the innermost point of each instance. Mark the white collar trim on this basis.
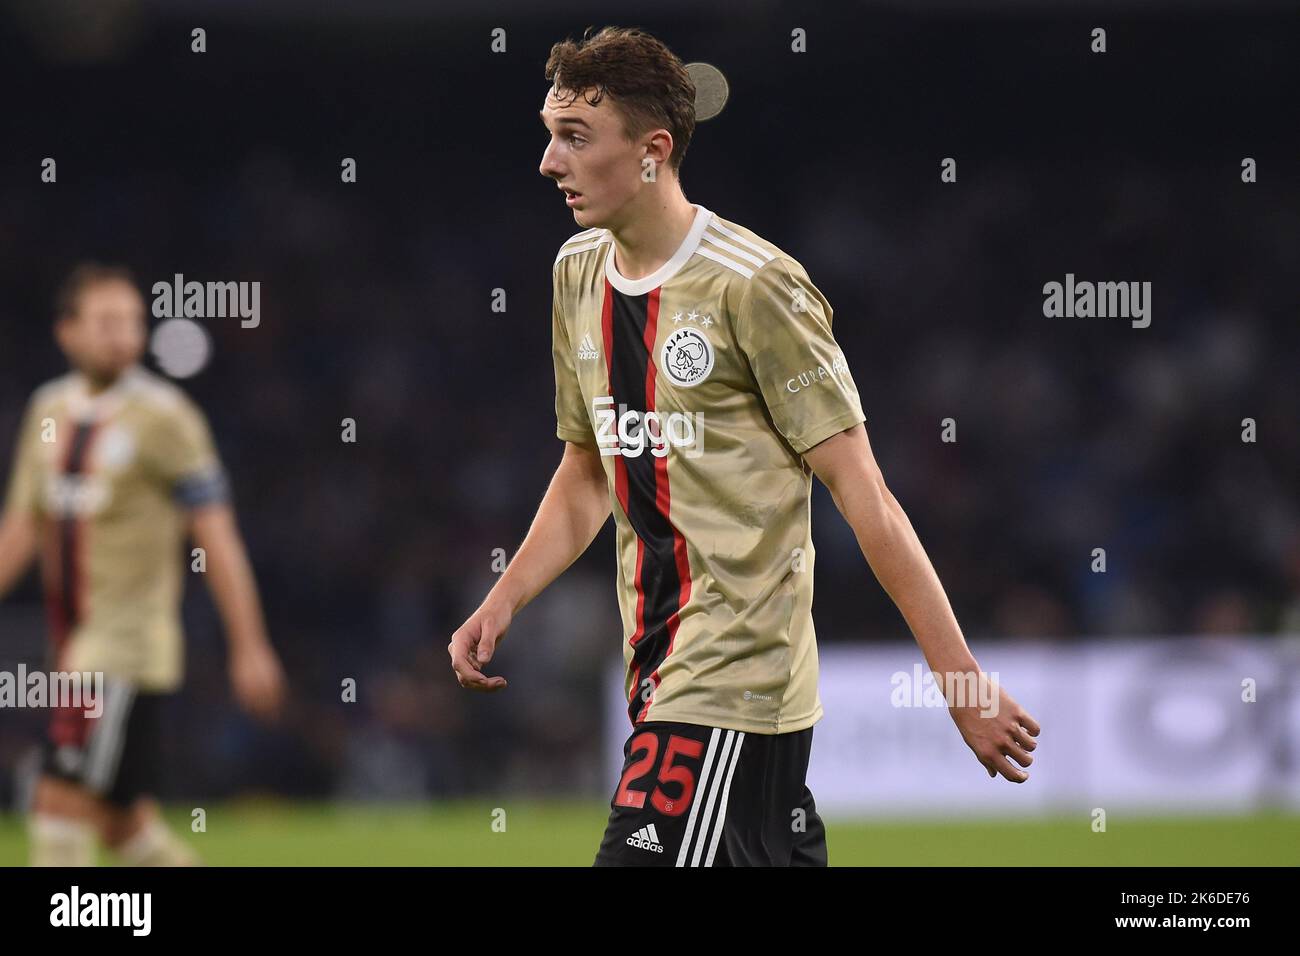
(85, 407)
(669, 268)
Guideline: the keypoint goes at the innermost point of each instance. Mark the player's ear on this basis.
(659, 148)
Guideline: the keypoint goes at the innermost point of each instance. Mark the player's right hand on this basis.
(473, 645)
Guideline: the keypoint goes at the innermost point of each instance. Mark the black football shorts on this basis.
(692, 795)
(115, 755)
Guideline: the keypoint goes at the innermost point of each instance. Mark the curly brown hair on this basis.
(67, 298)
(642, 77)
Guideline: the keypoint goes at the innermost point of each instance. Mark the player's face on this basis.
(590, 157)
(107, 334)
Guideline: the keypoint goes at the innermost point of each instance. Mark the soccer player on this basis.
(114, 468)
(698, 390)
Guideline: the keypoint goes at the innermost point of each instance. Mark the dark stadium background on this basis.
(1073, 433)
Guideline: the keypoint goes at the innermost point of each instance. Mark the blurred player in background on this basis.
(114, 468)
(698, 389)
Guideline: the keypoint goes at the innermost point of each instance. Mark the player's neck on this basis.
(99, 384)
(652, 234)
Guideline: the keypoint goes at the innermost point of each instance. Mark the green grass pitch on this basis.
(566, 834)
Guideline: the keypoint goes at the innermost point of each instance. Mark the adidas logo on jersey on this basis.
(587, 350)
(647, 838)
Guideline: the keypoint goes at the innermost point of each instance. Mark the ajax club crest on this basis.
(687, 357)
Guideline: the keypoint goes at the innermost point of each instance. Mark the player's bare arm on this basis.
(846, 465)
(574, 509)
(255, 672)
(17, 547)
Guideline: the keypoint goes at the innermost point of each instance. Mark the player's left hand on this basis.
(996, 734)
(258, 680)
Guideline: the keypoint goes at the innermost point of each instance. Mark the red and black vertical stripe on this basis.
(662, 579)
(70, 529)
(65, 592)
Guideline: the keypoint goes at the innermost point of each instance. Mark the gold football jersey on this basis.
(702, 385)
(109, 478)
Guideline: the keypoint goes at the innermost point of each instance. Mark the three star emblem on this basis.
(693, 317)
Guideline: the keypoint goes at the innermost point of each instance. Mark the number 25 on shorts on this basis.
(680, 774)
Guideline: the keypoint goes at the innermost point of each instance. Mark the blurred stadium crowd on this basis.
(1072, 434)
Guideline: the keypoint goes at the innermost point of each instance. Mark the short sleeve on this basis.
(571, 420)
(784, 329)
(186, 458)
(25, 479)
